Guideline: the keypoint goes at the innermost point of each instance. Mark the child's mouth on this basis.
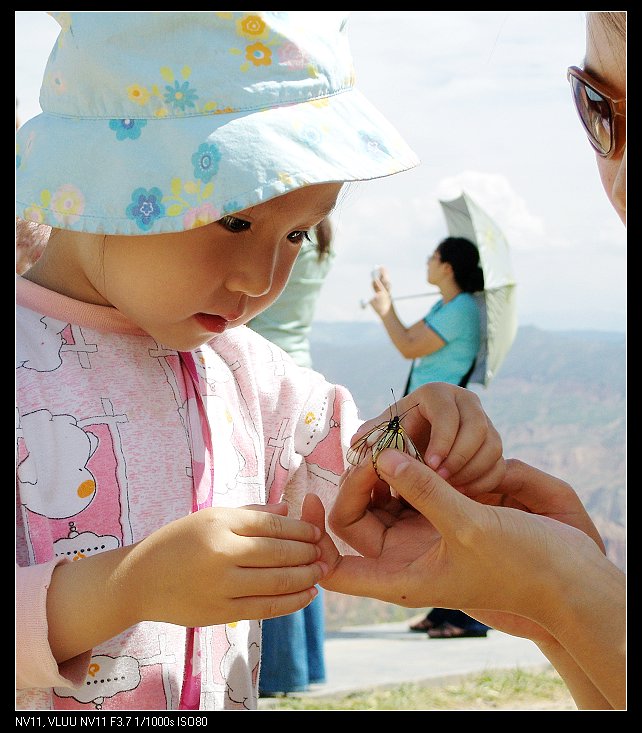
(214, 324)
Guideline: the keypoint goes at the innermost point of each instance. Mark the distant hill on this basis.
(558, 401)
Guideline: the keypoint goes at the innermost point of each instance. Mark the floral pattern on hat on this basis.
(160, 122)
(35, 213)
(173, 96)
(259, 53)
(206, 160)
(67, 204)
(181, 96)
(188, 199)
(146, 207)
(291, 55)
(252, 26)
(127, 129)
(201, 215)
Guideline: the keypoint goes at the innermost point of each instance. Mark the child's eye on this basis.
(234, 224)
(298, 236)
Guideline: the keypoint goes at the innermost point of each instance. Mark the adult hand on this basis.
(544, 577)
(453, 433)
(527, 488)
(443, 549)
(382, 300)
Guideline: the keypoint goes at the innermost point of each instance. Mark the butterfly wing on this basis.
(397, 438)
(358, 450)
(388, 434)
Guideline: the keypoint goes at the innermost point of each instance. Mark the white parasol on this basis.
(465, 218)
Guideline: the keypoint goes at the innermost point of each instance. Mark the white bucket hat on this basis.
(163, 121)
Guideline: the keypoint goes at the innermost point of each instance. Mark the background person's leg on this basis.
(314, 615)
(284, 657)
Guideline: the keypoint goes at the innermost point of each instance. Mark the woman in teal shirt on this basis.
(443, 346)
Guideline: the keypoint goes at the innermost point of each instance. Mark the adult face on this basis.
(605, 61)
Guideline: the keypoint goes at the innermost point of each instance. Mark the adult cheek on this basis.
(619, 188)
(613, 176)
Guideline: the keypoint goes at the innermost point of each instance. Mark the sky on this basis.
(482, 98)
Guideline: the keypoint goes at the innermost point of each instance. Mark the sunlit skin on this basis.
(419, 339)
(605, 61)
(171, 285)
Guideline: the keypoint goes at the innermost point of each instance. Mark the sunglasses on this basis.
(603, 118)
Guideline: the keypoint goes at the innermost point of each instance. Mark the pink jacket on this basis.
(116, 436)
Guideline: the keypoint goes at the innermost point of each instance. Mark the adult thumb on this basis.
(424, 489)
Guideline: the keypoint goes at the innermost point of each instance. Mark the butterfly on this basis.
(388, 434)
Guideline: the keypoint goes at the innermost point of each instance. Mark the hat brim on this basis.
(148, 176)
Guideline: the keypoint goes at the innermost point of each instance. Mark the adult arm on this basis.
(441, 548)
(411, 342)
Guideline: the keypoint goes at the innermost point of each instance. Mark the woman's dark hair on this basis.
(462, 255)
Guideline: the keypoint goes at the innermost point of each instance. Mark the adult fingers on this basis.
(547, 495)
(452, 431)
(445, 507)
(541, 492)
(312, 510)
(457, 426)
(476, 448)
(476, 477)
(350, 518)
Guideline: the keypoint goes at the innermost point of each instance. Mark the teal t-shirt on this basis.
(287, 322)
(458, 324)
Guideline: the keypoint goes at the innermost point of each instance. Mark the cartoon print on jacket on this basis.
(142, 435)
(80, 506)
(110, 676)
(52, 491)
(61, 489)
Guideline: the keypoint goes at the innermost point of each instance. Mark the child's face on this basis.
(186, 287)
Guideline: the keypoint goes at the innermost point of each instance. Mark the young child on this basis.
(180, 159)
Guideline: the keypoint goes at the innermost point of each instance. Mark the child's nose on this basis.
(253, 273)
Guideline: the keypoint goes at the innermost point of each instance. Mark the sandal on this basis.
(424, 625)
(448, 631)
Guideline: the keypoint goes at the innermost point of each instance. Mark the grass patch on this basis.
(498, 690)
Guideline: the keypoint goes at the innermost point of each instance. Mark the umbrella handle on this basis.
(364, 303)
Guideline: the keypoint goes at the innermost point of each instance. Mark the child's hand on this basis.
(212, 567)
(223, 564)
(454, 434)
